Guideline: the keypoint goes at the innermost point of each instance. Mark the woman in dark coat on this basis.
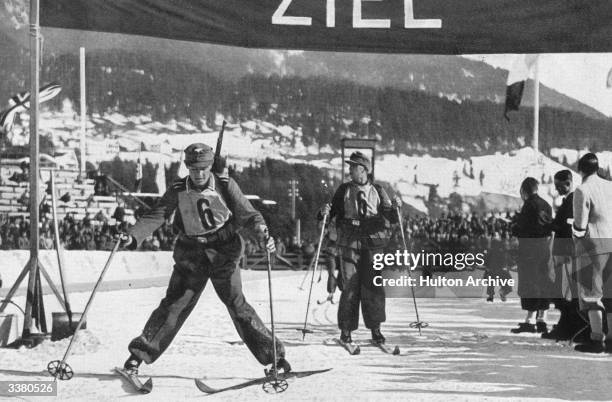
(535, 270)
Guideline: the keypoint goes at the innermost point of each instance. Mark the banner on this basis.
(383, 26)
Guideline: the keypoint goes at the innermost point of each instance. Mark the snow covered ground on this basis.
(465, 353)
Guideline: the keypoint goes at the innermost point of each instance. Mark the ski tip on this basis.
(147, 387)
(203, 387)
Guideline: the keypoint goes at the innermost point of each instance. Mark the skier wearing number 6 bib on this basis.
(210, 215)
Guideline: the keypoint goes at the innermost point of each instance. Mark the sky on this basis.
(579, 75)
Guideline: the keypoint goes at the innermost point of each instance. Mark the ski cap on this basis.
(358, 158)
(199, 155)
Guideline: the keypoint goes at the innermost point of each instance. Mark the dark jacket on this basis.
(563, 243)
(534, 220)
(535, 269)
(243, 213)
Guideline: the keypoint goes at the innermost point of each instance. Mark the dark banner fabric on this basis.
(383, 26)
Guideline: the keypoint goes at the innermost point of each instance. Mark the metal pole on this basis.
(83, 116)
(418, 323)
(292, 199)
(536, 105)
(58, 248)
(272, 315)
(34, 196)
(314, 270)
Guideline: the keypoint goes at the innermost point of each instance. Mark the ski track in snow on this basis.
(466, 352)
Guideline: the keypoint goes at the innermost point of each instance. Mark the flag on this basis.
(21, 102)
(182, 169)
(139, 169)
(609, 80)
(517, 75)
(160, 178)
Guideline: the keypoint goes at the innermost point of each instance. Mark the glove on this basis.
(578, 233)
(127, 241)
(271, 245)
(265, 240)
(396, 202)
(326, 210)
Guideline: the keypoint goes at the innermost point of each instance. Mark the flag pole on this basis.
(83, 167)
(536, 106)
(34, 169)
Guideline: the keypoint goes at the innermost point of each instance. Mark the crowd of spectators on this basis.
(456, 233)
(448, 233)
(90, 233)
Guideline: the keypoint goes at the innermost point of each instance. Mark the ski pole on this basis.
(59, 368)
(314, 269)
(277, 385)
(418, 323)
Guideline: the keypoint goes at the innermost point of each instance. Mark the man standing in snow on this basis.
(563, 256)
(209, 215)
(532, 228)
(362, 211)
(592, 230)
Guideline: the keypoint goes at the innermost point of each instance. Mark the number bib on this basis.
(202, 212)
(361, 202)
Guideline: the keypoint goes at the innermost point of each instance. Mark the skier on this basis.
(363, 212)
(210, 213)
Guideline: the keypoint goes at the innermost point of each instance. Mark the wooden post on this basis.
(536, 105)
(34, 170)
(83, 144)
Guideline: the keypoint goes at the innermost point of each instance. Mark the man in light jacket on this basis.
(592, 230)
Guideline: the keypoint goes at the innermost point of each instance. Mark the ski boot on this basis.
(131, 365)
(281, 364)
(377, 337)
(490, 299)
(541, 327)
(345, 337)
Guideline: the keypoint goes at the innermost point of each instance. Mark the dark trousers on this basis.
(358, 288)
(531, 304)
(333, 282)
(194, 267)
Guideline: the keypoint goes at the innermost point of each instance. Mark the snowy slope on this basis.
(256, 140)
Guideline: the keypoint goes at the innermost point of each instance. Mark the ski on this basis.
(352, 347)
(135, 382)
(257, 381)
(392, 350)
